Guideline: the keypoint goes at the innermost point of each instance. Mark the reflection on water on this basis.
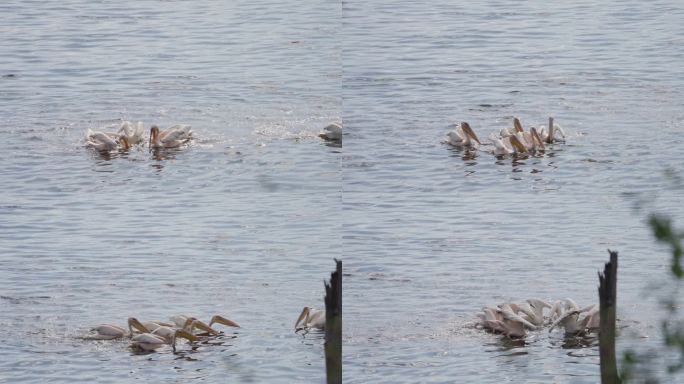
(160, 154)
(516, 161)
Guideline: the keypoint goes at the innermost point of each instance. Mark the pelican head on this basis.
(517, 125)
(536, 139)
(222, 320)
(184, 334)
(517, 144)
(192, 323)
(134, 323)
(469, 132)
(125, 144)
(549, 138)
(154, 136)
(303, 318)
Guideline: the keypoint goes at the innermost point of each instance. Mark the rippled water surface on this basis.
(243, 222)
(247, 219)
(432, 234)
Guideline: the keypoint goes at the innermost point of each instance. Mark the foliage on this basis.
(672, 326)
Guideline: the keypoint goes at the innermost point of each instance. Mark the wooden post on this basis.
(607, 300)
(333, 326)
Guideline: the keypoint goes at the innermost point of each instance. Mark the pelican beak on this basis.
(302, 316)
(154, 132)
(200, 325)
(188, 324)
(536, 138)
(124, 143)
(519, 147)
(186, 335)
(517, 125)
(552, 133)
(134, 323)
(183, 334)
(222, 320)
(468, 131)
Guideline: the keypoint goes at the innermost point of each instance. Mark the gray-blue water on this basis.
(246, 221)
(432, 234)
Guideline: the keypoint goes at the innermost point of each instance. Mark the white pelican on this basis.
(514, 328)
(549, 136)
(507, 145)
(110, 332)
(571, 321)
(517, 127)
(537, 141)
(333, 132)
(530, 140)
(502, 146)
(180, 320)
(491, 320)
(134, 134)
(510, 312)
(562, 306)
(105, 142)
(504, 320)
(170, 138)
(533, 311)
(150, 342)
(310, 318)
(463, 136)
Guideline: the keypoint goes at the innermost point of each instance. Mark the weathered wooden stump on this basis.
(333, 326)
(607, 300)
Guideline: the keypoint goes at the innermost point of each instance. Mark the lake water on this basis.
(433, 234)
(244, 222)
(247, 220)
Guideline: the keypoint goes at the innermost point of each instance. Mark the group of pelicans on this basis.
(130, 134)
(514, 320)
(509, 141)
(152, 335)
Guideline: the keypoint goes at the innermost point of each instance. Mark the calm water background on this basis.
(245, 222)
(432, 234)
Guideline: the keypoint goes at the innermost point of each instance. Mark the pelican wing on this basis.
(109, 330)
(179, 320)
(101, 137)
(177, 132)
(148, 338)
